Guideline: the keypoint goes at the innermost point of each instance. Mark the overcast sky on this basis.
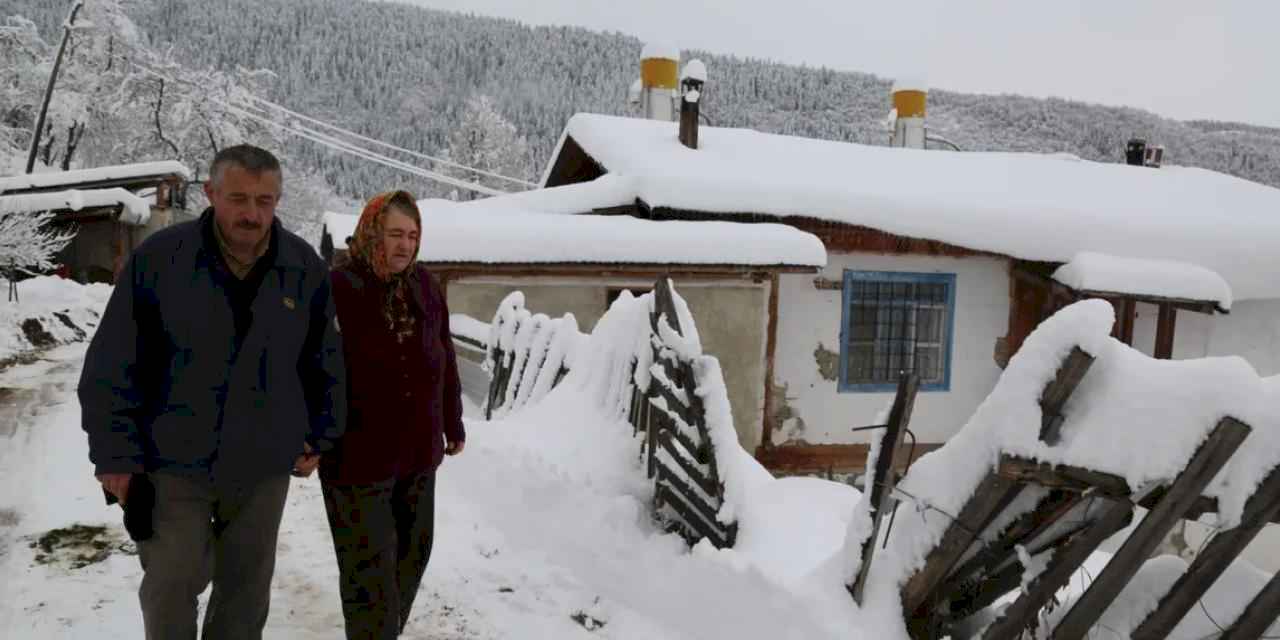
(1186, 59)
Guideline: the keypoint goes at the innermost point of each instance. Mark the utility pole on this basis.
(48, 90)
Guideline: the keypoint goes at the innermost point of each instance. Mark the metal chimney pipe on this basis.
(691, 83)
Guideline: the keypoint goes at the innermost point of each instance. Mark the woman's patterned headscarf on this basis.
(368, 252)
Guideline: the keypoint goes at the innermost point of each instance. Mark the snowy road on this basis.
(542, 531)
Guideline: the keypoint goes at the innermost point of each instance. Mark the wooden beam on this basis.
(1065, 562)
(1128, 313)
(619, 270)
(881, 481)
(1212, 561)
(991, 497)
(1055, 394)
(1047, 512)
(1166, 327)
(1209, 458)
(1258, 616)
(1080, 479)
(795, 459)
(770, 349)
(1067, 477)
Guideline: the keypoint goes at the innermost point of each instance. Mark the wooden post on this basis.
(881, 479)
(1056, 393)
(1128, 313)
(771, 347)
(1166, 326)
(1183, 493)
(1258, 616)
(1211, 562)
(993, 494)
(1022, 613)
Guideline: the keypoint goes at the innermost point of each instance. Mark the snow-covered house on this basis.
(113, 209)
(565, 263)
(943, 263)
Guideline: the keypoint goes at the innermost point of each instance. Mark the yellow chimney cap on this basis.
(910, 83)
(660, 51)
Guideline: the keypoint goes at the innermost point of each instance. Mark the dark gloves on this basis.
(142, 501)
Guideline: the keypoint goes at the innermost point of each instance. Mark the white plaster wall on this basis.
(1251, 330)
(808, 316)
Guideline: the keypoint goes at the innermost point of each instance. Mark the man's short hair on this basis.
(253, 159)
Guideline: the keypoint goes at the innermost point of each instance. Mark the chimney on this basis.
(658, 72)
(909, 99)
(691, 83)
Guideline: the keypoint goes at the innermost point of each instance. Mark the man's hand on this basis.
(117, 484)
(454, 448)
(306, 463)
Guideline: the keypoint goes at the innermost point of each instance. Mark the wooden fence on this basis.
(1076, 510)
(529, 354)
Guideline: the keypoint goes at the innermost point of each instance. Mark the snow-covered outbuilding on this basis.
(113, 208)
(567, 254)
(940, 262)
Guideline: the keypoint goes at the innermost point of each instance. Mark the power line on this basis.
(424, 156)
(338, 144)
(329, 141)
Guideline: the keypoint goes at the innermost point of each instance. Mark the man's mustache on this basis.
(248, 225)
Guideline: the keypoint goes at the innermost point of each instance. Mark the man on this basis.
(216, 370)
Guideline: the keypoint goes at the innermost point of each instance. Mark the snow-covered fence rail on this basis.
(1027, 521)
(527, 354)
(644, 363)
(666, 407)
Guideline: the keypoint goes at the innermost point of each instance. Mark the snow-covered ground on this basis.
(542, 519)
(543, 531)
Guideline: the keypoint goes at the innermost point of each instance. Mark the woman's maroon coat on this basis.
(404, 399)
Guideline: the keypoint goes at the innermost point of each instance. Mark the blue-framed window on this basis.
(893, 322)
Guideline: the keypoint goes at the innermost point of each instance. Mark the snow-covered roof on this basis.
(135, 211)
(536, 227)
(1096, 272)
(1031, 206)
(97, 174)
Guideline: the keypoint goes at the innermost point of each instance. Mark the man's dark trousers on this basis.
(206, 532)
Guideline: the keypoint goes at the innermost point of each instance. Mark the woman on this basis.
(404, 404)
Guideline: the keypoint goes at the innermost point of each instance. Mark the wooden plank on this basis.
(1258, 616)
(992, 495)
(1022, 531)
(881, 480)
(1080, 479)
(1209, 458)
(975, 595)
(698, 476)
(690, 512)
(1212, 561)
(1166, 327)
(1065, 562)
(794, 459)
(1055, 393)
(662, 422)
(667, 475)
(1067, 477)
(674, 405)
(770, 350)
